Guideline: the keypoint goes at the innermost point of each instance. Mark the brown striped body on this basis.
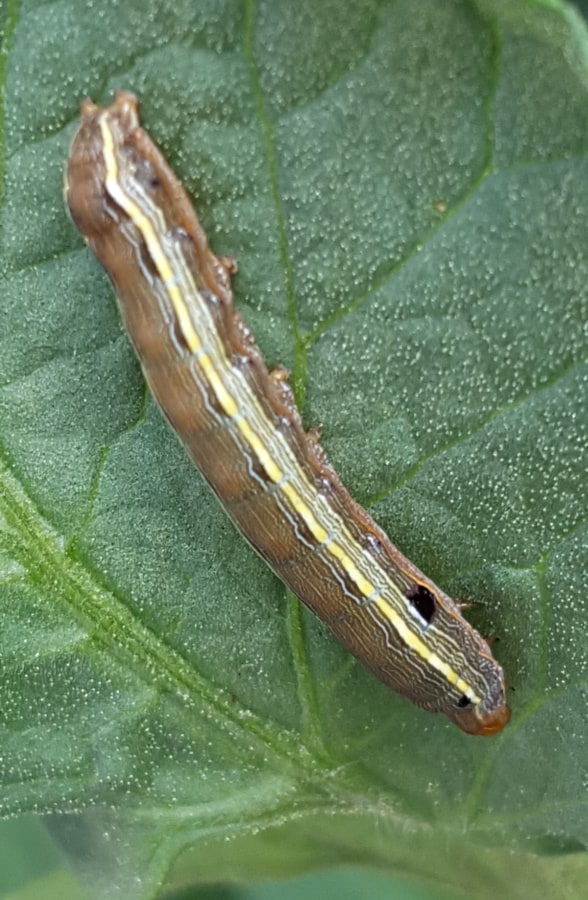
(241, 427)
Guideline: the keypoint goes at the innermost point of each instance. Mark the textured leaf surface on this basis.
(405, 187)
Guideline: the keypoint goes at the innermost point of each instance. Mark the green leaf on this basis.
(405, 189)
(30, 867)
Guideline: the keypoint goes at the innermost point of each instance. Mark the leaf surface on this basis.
(405, 188)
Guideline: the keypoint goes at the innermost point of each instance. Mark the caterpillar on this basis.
(240, 424)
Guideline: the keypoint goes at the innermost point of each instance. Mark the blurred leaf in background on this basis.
(405, 188)
(31, 869)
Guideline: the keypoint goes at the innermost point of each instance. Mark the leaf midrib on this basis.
(39, 549)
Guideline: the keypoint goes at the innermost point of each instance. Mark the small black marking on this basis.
(180, 337)
(146, 261)
(372, 543)
(423, 601)
(464, 701)
(348, 586)
(256, 469)
(146, 175)
(304, 534)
